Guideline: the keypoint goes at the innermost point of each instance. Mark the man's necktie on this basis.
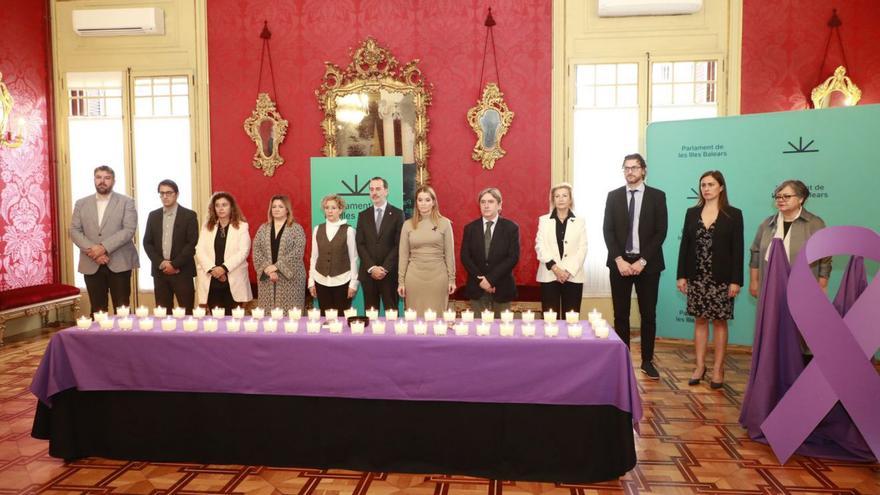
(632, 219)
(487, 237)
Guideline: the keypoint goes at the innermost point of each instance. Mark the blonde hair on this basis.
(435, 210)
(561, 185)
(492, 191)
(333, 197)
(286, 202)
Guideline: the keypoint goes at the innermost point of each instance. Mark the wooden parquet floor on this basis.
(690, 443)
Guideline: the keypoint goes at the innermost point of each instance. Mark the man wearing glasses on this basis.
(635, 228)
(170, 241)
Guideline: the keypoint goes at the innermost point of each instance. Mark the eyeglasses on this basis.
(784, 197)
(631, 169)
(167, 193)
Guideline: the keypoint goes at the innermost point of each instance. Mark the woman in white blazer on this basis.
(561, 246)
(221, 256)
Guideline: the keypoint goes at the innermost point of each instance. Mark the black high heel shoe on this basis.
(716, 385)
(696, 381)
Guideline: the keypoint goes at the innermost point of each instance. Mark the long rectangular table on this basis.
(550, 409)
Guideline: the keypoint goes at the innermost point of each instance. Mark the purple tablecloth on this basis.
(491, 369)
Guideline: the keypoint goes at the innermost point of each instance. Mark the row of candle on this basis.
(487, 316)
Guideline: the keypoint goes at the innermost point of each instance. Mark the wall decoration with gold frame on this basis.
(490, 120)
(826, 94)
(375, 107)
(267, 129)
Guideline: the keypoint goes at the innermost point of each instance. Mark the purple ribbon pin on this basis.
(842, 348)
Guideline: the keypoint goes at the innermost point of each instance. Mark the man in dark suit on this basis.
(170, 241)
(377, 237)
(635, 227)
(489, 252)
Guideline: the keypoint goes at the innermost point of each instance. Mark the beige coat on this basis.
(547, 249)
(238, 245)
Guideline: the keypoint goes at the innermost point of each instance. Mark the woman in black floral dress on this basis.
(710, 270)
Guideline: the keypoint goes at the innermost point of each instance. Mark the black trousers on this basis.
(561, 298)
(166, 287)
(647, 286)
(220, 296)
(103, 280)
(333, 297)
(385, 289)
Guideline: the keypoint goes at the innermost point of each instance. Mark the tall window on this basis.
(610, 116)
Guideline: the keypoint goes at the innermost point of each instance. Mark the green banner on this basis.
(829, 150)
(350, 178)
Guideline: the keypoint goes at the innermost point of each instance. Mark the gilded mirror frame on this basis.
(374, 69)
(839, 82)
(266, 111)
(492, 102)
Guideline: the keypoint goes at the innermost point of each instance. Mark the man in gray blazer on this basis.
(103, 228)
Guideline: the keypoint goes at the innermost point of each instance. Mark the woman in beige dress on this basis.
(426, 270)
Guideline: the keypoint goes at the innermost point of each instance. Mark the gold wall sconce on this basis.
(8, 138)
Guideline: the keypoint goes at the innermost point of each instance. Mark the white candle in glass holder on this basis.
(145, 323)
(528, 316)
(401, 327)
(449, 315)
(377, 327)
(390, 314)
(572, 317)
(276, 313)
(430, 315)
(528, 329)
(372, 314)
(160, 312)
(462, 328)
(294, 313)
(550, 316)
(199, 312)
(420, 328)
(487, 316)
(122, 311)
(550, 329)
(467, 316)
(169, 324)
(575, 330)
(350, 313)
(410, 315)
(335, 326)
(602, 332)
(233, 325)
(238, 313)
(100, 316)
(357, 328)
(190, 325)
(107, 323)
(218, 312)
(251, 324)
(483, 329)
(439, 328)
(83, 322)
(291, 325)
(270, 325)
(142, 312)
(507, 316)
(125, 323)
(258, 313)
(313, 326)
(209, 325)
(331, 314)
(314, 314)
(506, 329)
(178, 312)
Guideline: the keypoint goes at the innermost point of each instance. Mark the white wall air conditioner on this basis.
(119, 22)
(625, 8)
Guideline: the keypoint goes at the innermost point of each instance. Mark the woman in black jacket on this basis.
(710, 270)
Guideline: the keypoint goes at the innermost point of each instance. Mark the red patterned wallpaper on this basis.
(26, 218)
(447, 36)
(783, 45)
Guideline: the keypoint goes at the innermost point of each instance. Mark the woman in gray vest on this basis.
(333, 263)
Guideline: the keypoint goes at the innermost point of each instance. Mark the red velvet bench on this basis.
(37, 299)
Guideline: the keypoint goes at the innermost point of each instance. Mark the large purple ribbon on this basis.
(842, 348)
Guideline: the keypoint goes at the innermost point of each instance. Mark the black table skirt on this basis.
(500, 441)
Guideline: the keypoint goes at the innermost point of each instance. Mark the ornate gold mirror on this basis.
(267, 129)
(837, 91)
(375, 107)
(491, 120)
(7, 137)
